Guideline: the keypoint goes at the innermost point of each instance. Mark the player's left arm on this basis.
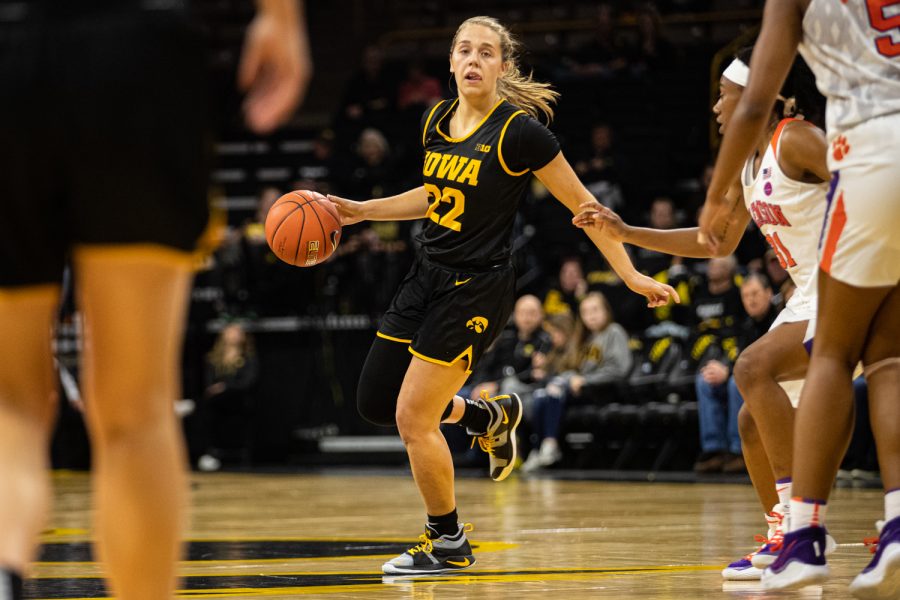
(803, 150)
(559, 177)
(773, 56)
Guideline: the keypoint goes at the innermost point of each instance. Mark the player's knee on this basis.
(749, 369)
(747, 425)
(375, 407)
(411, 425)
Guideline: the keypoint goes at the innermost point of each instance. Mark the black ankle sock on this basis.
(11, 584)
(475, 417)
(444, 524)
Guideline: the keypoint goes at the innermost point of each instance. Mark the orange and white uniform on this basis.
(853, 48)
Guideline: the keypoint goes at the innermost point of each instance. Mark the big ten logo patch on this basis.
(477, 324)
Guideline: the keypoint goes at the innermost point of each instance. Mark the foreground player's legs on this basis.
(27, 406)
(823, 426)
(881, 578)
(134, 302)
(423, 400)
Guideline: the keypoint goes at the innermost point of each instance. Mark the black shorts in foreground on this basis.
(104, 135)
(446, 315)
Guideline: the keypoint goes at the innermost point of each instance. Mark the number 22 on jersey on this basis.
(451, 196)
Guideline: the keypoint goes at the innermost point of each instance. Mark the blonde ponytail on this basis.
(534, 97)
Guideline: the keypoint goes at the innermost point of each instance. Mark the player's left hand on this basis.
(657, 294)
(274, 70)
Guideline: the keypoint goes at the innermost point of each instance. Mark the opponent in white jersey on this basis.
(784, 187)
(854, 48)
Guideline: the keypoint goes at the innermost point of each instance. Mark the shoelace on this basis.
(485, 442)
(776, 541)
(872, 542)
(427, 545)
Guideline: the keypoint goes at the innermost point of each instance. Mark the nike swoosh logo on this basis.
(458, 282)
(505, 416)
(464, 563)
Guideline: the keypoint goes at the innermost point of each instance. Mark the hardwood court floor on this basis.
(291, 536)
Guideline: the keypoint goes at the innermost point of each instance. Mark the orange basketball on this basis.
(303, 228)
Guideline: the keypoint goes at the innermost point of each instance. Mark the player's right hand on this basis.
(351, 211)
(594, 214)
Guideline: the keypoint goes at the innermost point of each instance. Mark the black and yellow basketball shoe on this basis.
(434, 554)
(500, 439)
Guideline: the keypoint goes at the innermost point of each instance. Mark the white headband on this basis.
(737, 72)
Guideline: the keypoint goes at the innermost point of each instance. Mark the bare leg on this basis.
(882, 361)
(423, 398)
(756, 460)
(777, 356)
(27, 407)
(134, 301)
(825, 417)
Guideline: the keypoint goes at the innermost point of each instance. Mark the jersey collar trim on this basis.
(437, 126)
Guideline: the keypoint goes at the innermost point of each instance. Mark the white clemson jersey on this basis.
(853, 48)
(789, 213)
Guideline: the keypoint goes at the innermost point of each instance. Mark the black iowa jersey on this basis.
(475, 183)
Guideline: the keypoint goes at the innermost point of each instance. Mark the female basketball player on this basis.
(479, 151)
(783, 188)
(849, 47)
(104, 145)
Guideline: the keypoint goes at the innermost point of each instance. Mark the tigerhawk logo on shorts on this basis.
(477, 324)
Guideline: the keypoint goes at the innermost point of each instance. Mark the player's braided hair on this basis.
(534, 97)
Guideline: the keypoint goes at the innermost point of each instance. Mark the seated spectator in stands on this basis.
(715, 300)
(603, 57)
(662, 216)
(370, 172)
(545, 366)
(718, 398)
(318, 170)
(369, 97)
(231, 374)
(506, 366)
(419, 90)
(601, 170)
(652, 52)
(599, 354)
(631, 309)
(571, 288)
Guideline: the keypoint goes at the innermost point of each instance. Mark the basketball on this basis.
(303, 228)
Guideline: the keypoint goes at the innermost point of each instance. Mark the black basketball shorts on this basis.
(104, 134)
(446, 315)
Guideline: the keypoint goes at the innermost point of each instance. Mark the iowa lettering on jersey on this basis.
(452, 167)
(764, 213)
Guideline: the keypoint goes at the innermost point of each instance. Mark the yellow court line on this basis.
(554, 575)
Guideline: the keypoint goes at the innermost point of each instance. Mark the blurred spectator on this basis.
(371, 174)
(653, 52)
(369, 97)
(603, 57)
(601, 167)
(716, 302)
(662, 216)
(631, 309)
(231, 374)
(318, 170)
(718, 398)
(506, 367)
(600, 355)
(419, 90)
(570, 289)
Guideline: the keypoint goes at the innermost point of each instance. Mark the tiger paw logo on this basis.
(840, 148)
(477, 324)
